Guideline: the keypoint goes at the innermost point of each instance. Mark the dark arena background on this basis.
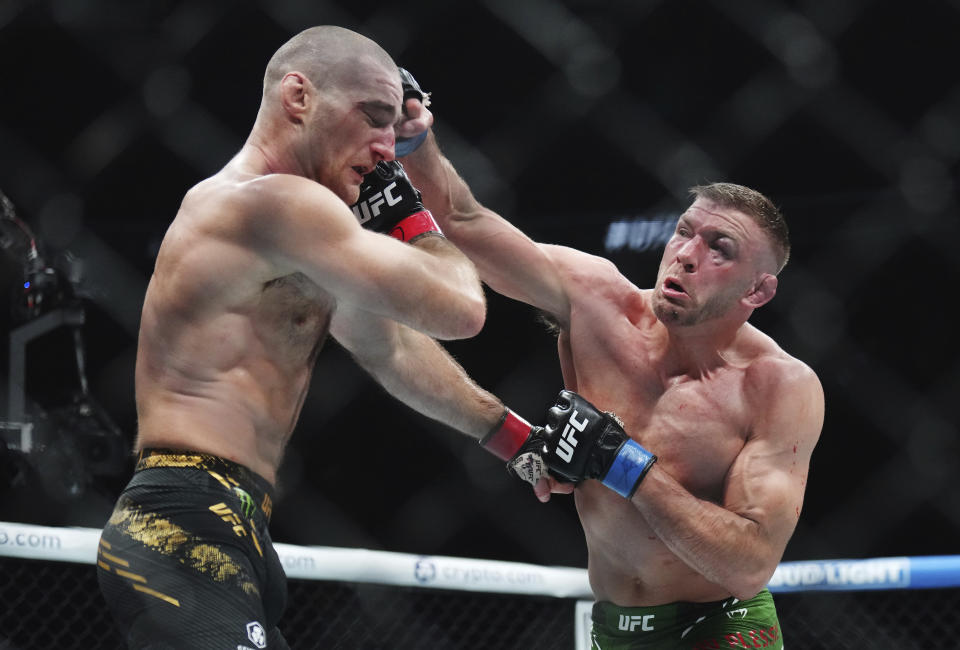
(582, 122)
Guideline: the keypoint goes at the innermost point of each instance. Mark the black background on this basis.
(564, 116)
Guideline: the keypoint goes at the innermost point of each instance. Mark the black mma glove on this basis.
(520, 444)
(586, 443)
(411, 90)
(388, 203)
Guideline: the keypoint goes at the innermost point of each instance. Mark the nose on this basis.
(688, 254)
(383, 146)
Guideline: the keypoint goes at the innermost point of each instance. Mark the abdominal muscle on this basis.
(219, 417)
(628, 565)
(230, 383)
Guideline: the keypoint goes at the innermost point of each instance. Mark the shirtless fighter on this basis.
(695, 502)
(262, 261)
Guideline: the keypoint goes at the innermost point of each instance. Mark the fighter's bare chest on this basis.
(696, 428)
(293, 314)
(696, 425)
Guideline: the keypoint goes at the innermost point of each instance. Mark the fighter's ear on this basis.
(294, 90)
(762, 291)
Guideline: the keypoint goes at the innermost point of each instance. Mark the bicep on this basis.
(512, 264)
(767, 481)
(766, 485)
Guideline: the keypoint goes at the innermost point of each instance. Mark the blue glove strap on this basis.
(629, 466)
(406, 146)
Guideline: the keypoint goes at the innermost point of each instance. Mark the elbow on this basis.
(470, 316)
(459, 318)
(475, 316)
(746, 591)
(747, 584)
(469, 305)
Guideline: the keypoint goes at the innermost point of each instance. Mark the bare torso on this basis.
(695, 422)
(227, 342)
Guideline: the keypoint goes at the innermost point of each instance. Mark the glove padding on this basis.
(586, 443)
(411, 90)
(390, 204)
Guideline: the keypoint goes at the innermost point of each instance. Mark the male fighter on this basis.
(700, 488)
(262, 261)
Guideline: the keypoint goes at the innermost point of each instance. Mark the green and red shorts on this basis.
(729, 623)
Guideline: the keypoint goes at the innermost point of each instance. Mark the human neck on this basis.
(270, 151)
(695, 350)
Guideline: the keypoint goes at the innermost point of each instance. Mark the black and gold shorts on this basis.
(186, 559)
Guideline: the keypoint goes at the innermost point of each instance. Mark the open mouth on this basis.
(673, 289)
(673, 286)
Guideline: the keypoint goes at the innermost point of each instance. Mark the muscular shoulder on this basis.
(267, 215)
(783, 389)
(768, 366)
(771, 374)
(284, 201)
(231, 202)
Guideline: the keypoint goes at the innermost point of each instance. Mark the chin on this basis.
(672, 315)
(665, 312)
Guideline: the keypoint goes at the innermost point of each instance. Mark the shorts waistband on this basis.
(613, 616)
(233, 476)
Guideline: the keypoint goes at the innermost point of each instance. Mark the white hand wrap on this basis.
(529, 467)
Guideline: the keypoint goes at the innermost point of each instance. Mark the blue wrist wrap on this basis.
(629, 466)
(406, 146)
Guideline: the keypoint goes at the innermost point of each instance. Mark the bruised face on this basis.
(715, 262)
(353, 126)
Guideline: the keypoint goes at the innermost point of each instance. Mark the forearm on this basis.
(508, 261)
(445, 193)
(723, 546)
(422, 374)
(430, 172)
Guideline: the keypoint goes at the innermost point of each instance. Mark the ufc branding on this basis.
(568, 440)
(631, 623)
(370, 208)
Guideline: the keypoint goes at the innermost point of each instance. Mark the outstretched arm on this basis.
(421, 373)
(507, 259)
(416, 370)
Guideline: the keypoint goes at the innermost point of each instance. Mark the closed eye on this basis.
(378, 122)
(379, 114)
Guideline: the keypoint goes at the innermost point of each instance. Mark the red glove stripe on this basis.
(507, 439)
(416, 224)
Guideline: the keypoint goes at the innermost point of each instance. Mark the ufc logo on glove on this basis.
(370, 208)
(389, 204)
(567, 440)
(595, 446)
